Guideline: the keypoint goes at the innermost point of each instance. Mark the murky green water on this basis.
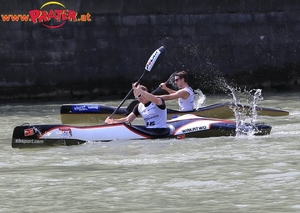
(225, 174)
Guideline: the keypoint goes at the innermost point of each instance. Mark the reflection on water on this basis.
(225, 174)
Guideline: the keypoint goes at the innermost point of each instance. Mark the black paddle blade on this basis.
(131, 106)
(155, 58)
(170, 80)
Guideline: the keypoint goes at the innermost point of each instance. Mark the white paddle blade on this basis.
(155, 58)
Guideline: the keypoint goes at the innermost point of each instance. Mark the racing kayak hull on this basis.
(97, 113)
(29, 136)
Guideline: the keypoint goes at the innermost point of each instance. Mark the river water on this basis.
(225, 174)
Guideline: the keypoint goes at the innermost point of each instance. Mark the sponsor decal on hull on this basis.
(24, 141)
(194, 129)
(195, 126)
(66, 132)
(83, 108)
(28, 132)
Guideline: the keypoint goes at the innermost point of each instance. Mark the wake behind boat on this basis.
(97, 113)
(30, 136)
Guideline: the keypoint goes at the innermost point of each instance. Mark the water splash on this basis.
(244, 106)
(197, 59)
(245, 115)
(199, 98)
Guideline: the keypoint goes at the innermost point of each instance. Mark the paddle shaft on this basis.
(154, 91)
(135, 102)
(152, 62)
(128, 94)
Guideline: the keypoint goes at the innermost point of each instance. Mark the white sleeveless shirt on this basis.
(154, 116)
(187, 104)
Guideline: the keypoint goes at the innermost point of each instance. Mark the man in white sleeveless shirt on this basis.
(151, 108)
(185, 94)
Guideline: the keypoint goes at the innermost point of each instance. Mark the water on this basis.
(225, 174)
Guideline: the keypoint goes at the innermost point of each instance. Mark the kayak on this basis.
(188, 125)
(97, 113)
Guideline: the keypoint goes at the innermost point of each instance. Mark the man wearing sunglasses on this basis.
(185, 94)
(151, 108)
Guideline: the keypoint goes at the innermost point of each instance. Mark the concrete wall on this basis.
(241, 42)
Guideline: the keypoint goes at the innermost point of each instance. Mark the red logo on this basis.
(55, 18)
(52, 15)
(28, 132)
(66, 130)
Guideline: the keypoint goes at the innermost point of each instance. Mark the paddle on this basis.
(135, 102)
(153, 61)
(168, 81)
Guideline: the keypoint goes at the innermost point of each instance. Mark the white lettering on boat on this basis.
(93, 107)
(194, 129)
(28, 141)
(80, 108)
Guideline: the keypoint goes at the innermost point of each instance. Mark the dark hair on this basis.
(182, 74)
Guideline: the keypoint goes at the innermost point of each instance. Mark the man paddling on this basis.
(151, 108)
(185, 94)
